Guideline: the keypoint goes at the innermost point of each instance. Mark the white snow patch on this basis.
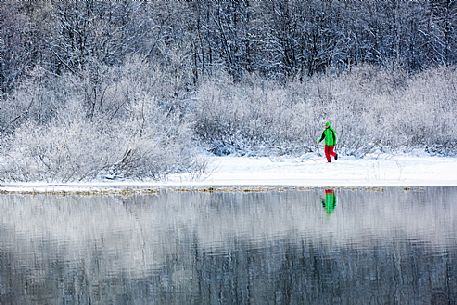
(281, 171)
(385, 171)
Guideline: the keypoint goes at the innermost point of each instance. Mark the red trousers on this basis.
(329, 152)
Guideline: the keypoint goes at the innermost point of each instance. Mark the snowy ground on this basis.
(399, 171)
(292, 172)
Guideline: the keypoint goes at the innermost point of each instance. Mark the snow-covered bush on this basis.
(116, 127)
(137, 121)
(429, 110)
(58, 151)
(368, 106)
(73, 148)
(258, 116)
(38, 98)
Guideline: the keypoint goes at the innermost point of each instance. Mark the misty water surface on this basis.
(341, 246)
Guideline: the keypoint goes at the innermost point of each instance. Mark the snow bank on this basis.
(307, 171)
(393, 171)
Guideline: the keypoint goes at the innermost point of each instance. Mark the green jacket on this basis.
(329, 135)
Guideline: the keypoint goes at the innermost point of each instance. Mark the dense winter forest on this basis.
(138, 88)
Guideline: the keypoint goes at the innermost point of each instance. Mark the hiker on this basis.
(330, 141)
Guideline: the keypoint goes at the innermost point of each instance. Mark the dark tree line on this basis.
(278, 39)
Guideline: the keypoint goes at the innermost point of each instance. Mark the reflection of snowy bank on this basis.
(142, 233)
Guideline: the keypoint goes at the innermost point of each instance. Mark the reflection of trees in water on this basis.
(230, 248)
(283, 273)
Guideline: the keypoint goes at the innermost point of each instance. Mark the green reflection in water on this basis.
(329, 203)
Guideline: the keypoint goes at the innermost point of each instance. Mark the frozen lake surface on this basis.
(317, 246)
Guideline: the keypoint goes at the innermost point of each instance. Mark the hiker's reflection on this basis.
(329, 203)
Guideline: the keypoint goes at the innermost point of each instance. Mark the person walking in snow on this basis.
(330, 141)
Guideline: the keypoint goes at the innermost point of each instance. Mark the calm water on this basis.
(390, 246)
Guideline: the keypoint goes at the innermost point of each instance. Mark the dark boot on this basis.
(336, 156)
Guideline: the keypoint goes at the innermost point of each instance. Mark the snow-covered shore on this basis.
(243, 172)
(390, 171)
